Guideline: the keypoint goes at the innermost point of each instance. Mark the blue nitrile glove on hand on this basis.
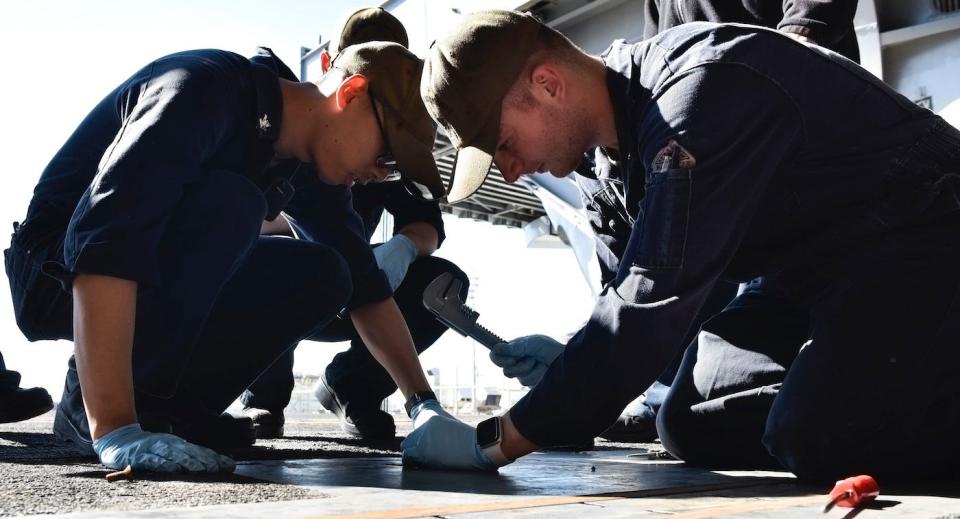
(394, 257)
(157, 452)
(526, 358)
(440, 440)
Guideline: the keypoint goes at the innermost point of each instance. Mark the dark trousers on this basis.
(723, 292)
(356, 377)
(229, 305)
(874, 389)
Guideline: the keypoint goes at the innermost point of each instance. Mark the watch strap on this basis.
(417, 398)
(495, 454)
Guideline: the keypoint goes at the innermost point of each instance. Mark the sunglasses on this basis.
(387, 161)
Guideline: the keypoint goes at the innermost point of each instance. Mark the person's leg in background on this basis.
(354, 384)
(265, 400)
(637, 423)
(262, 313)
(17, 403)
(716, 409)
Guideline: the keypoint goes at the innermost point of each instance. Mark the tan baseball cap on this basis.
(393, 75)
(466, 75)
(369, 24)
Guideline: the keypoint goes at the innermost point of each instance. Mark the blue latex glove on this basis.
(440, 440)
(526, 358)
(394, 257)
(157, 452)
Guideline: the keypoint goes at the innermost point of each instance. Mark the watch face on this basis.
(488, 432)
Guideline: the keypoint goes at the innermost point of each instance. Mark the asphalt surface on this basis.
(42, 476)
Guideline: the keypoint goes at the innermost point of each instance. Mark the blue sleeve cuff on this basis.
(372, 287)
(116, 259)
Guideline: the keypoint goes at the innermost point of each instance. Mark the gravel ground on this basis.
(42, 476)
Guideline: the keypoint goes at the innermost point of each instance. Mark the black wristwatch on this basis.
(489, 436)
(416, 398)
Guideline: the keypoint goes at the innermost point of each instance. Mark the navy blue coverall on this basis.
(830, 24)
(354, 375)
(754, 155)
(166, 182)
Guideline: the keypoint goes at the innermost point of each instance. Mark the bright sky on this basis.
(61, 58)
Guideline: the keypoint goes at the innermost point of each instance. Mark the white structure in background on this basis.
(952, 113)
(914, 46)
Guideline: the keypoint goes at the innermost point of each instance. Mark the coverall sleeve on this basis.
(324, 214)
(823, 21)
(407, 209)
(698, 204)
(174, 114)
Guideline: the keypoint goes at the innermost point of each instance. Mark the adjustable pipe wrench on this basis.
(442, 298)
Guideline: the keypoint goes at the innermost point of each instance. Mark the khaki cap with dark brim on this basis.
(466, 75)
(369, 24)
(393, 75)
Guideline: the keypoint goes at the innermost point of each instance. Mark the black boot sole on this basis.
(217, 433)
(19, 415)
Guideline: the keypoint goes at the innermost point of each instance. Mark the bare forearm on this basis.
(104, 311)
(384, 331)
(514, 444)
(423, 235)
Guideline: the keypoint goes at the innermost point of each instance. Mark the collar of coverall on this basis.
(626, 97)
(267, 68)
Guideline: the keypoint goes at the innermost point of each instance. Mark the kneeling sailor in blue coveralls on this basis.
(354, 384)
(141, 243)
(753, 155)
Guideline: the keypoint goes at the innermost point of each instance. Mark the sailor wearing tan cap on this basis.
(747, 154)
(149, 217)
(353, 385)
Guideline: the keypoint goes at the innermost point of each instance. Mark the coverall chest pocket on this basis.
(665, 215)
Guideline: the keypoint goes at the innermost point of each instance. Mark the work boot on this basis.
(637, 424)
(73, 430)
(20, 404)
(216, 432)
(70, 421)
(267, 424)
(366, 423)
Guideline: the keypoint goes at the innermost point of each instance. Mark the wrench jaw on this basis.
(442, 298)
(438, 296)
(452, 294)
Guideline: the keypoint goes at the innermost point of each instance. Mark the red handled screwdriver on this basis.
(853, 492)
